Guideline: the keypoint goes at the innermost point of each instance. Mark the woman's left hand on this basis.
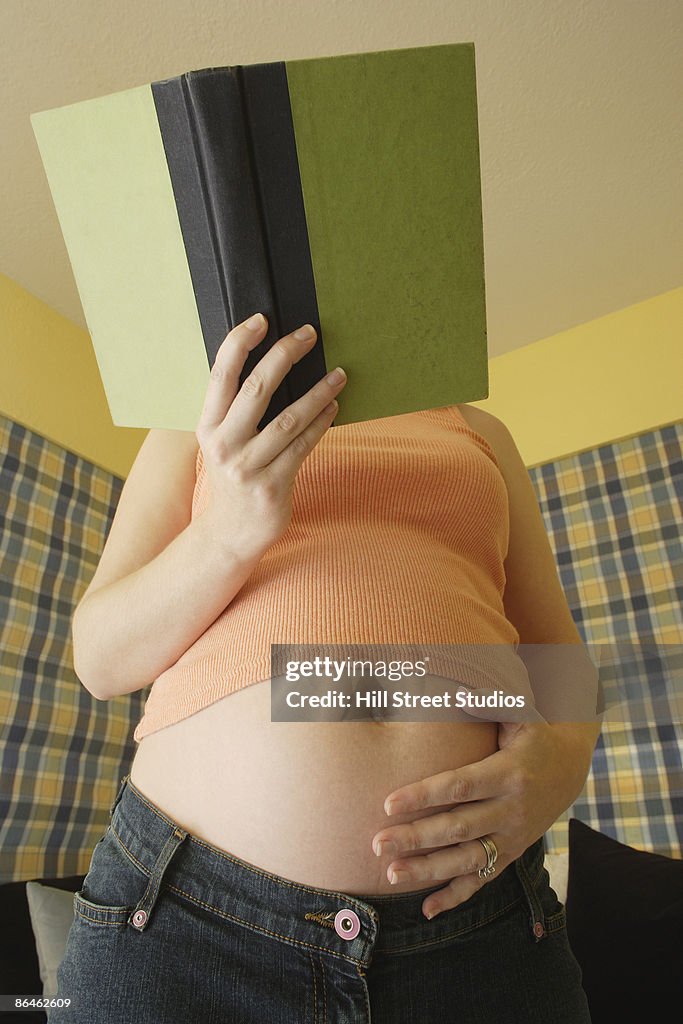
(512, 796)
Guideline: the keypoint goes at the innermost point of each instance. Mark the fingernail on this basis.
(255, 321)
(398, 876)
(304, 333)
(336, 377)
(385, 846)
(393, 807)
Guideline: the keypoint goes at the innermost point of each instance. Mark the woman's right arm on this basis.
(164, 577)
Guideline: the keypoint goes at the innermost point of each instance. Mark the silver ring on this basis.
(491, 856)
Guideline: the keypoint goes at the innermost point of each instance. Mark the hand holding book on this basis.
(250, 472)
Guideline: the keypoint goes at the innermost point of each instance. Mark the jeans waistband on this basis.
(351, 928)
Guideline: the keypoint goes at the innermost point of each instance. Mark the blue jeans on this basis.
(169, 929)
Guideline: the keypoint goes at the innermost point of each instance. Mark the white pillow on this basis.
(557, 866)
(51, 912)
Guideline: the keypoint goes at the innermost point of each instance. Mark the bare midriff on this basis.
(302, 800)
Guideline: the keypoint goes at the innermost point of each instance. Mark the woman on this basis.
(242, 877)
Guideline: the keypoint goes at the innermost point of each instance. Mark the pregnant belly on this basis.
(300, 799)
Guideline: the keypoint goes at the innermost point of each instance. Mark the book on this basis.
(342, 191)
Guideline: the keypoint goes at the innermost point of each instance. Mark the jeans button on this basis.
(347, 924)
(539, 930)
(139, 918)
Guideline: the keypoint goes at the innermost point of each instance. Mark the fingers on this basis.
(471, 782)
(289, 461)
(440, 865)
(454, 826)
(253, 397)
(459, 864)
(458, 891)
(232, 412)
(225, 372)
(289, 437)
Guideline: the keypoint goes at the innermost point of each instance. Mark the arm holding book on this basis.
(157, 589)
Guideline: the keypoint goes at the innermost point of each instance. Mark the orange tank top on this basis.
(398, 534)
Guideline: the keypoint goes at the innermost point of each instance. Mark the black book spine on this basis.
(277, 180)
(202, 121)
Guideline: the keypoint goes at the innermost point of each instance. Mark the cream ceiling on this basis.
(579, 117)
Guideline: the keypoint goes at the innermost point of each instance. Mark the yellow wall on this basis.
(601, 381)
(598, 382)
(50, 382)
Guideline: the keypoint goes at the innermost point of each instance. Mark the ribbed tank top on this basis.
(398, 534)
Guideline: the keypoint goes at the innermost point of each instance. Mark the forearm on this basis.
(128, 632)
(564, 681)
(575, 743)
(581, 736)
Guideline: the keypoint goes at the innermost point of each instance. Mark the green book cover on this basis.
(343, 191)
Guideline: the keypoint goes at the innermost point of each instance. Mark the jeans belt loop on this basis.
(122, 786)
(537, 917)
(140, 916)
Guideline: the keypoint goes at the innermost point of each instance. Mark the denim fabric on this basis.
(169, 929)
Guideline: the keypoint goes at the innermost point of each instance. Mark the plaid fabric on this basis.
(612, 513)
(62, 752)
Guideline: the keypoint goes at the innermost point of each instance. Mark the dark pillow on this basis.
(19, 969)
(625, 926)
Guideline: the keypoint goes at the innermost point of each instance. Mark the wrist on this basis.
(227, 545)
